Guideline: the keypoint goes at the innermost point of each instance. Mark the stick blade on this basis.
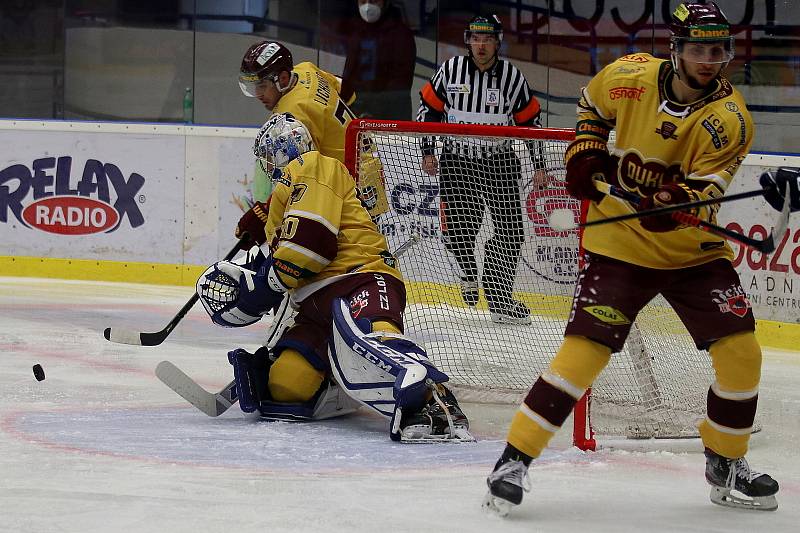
(174, 378)
(123, 336)
(780, 228)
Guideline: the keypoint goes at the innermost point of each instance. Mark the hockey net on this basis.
(655, 388)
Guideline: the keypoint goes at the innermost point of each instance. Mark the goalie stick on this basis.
(215, 403)
(128, 336)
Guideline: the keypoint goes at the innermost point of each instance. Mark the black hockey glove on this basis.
(775, 183)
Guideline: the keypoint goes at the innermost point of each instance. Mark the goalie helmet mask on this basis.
(280, 140)
(264, 61)
(700, 22)
(484, 26)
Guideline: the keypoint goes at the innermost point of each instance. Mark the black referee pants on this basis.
(467, 186)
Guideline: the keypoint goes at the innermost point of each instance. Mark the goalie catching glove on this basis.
(775, 183)
(669, 194)
(236, 294)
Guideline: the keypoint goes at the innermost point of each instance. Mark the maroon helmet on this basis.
(701, 22)
(263, 61)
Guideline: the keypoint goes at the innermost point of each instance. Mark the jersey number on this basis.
(289, 227)
(343, 113)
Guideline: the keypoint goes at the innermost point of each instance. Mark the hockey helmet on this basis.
(701, 22)
(280, 140)
(263, 61)
(484, 25)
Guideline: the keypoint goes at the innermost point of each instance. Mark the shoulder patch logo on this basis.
(667, 130)
(298, 192)
(607, 314)
(732, 107)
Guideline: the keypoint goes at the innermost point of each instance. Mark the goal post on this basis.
(655, 388)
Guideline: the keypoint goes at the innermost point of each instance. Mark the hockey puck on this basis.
(38, 372)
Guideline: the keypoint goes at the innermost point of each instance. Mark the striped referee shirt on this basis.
(460, 93)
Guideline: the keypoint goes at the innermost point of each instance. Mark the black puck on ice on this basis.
(38, 372)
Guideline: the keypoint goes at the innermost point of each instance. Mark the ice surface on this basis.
(101, 445)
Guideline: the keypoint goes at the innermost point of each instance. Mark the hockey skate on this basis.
(469, 292)
(440, 420)
(726, 475)
(511, 312)
(506, 484)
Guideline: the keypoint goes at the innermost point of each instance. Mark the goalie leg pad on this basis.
(382, 377)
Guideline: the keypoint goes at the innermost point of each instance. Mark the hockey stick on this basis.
(212, 404)
(561, 220)
(766, 245)
(215, 403)
(128, 336)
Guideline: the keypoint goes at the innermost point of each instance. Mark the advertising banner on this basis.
(105, 196)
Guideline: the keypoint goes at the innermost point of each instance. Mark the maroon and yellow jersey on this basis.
(318, 229)
(659, 141)
(315, 102)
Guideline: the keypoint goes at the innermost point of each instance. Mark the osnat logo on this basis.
(41, 196)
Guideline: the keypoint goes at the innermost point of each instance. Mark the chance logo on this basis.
(70, 215)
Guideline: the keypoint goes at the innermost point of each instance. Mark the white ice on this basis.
(101, 445)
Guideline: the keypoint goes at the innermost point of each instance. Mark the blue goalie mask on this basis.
(280, 140)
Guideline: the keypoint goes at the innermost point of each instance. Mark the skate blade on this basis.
(503, 319)
(495, 506)
(416, 437)
(722, 496)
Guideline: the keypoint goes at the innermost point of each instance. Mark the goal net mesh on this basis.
(482, 217)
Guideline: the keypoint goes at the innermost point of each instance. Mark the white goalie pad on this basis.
(369, 371)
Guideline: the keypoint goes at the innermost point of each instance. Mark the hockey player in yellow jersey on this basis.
(304, 90)
(345, 346)
(682, 131)
(311, 95)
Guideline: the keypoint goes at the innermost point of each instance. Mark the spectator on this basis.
(380, 62)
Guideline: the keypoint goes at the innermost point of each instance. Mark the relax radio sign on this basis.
(98, 191)
(43, 195)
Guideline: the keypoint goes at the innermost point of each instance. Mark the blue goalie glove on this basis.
(234, 295)
(778, 184)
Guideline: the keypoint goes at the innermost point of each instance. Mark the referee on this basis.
(480, 88)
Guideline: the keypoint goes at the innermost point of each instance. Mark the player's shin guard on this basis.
(551, 399)
(733, 397)
(388, 377)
